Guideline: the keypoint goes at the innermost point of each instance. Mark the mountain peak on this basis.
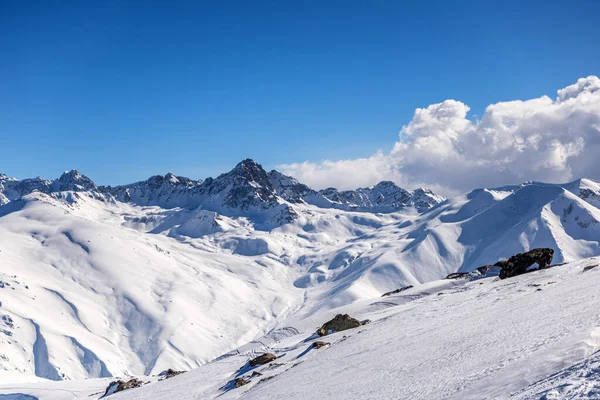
(250, 169)
(73, 180)
(387, 184)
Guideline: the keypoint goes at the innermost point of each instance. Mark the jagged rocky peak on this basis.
(586, 189)
(289, 188)
(157, 181)
(73, 181)
(253, 172)
(244, 186)
(425, 198)
(386, 196)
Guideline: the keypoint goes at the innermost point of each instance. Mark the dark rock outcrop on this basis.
(520, 263)
(119, 386)
(589, 267)
(169, 373)
(457, 275)
(397, 291)
(337, 324)
(263, 359)
(483, 270)
(318, 344)
(239, 382)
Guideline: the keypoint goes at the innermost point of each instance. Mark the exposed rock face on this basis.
(289, 188)
(119, 386)
(263, 359)
(73, 181)
(520, 263)
(166, 191)
(337, 324)
(248, 185)
(397, 291)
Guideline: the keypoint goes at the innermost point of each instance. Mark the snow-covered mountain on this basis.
(386, 196)
(13, 189)
(173, 273)
(247, 190)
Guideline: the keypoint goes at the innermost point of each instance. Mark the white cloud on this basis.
(538, 139)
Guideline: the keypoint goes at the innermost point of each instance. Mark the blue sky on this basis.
(124, 90)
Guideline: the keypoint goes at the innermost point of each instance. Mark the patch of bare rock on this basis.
(340, 322)
(119, 386)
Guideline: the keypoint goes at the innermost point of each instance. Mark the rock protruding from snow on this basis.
(263, 359)
(402, 289)
(340, 322)
(239, 382)
(119, 386)
(170, 373)
(318, 344)
(520, 263)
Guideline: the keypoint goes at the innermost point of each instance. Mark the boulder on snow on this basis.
(318, 344)
(397, 291)
(337, 324)
(239, 382)
(589, 267)
(119, 386)
(520, 263)
(169, 373)
(457, 275)
(262, 359)
(484, 269)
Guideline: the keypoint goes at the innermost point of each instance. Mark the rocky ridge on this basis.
(247, 190)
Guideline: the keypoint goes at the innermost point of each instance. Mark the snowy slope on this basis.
(172, 273)
(445, 340)
(526, 337)
(89, 297)
(475, 230)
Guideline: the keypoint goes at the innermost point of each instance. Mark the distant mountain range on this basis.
(245, 190)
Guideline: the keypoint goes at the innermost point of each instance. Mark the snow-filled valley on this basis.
(104, 282)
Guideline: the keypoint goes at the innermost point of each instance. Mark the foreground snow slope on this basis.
(482, 339)
(536, 336)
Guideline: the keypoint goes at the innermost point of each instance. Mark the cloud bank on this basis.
(539, 139)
